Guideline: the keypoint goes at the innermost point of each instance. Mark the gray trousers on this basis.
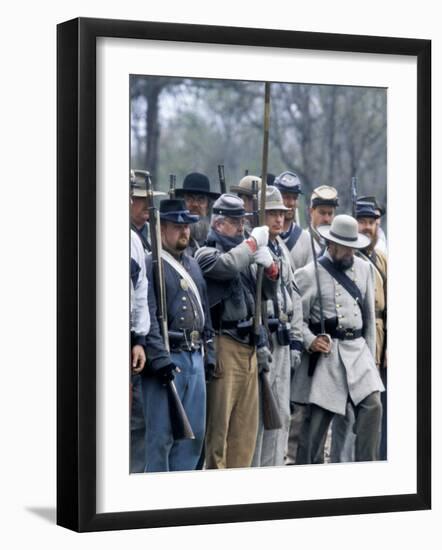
(297, 419)
(368, 418)
(271, 445)
(343, 436)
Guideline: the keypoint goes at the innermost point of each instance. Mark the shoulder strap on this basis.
(349, 285)
(184, 275)
(293, 237)
(134, 271)
(286, 254)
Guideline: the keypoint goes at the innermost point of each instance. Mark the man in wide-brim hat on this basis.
(340, 366)
(190, 339)
(139, 211)
(245, 191)
(199, 199)
(284, 319)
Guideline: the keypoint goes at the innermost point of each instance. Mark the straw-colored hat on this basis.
(273, 199)
(245, 185)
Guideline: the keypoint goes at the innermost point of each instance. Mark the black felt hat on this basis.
(196, 183)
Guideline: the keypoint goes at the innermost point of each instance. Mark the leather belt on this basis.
(185, 340)
(331, 328)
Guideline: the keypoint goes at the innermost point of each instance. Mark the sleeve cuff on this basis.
(272, 272)
(251, 243)
(137, 339)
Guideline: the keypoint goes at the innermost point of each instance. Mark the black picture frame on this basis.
(76, 273)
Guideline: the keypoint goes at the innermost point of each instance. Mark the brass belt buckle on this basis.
(194, 338)
(283, 317)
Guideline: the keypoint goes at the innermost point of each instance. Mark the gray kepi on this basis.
(344, 231)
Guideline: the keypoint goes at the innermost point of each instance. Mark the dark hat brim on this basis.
(180, 192)
(284, 189)
(180, 218)
(367, 214)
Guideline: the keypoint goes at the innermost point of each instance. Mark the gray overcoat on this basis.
(350, 368)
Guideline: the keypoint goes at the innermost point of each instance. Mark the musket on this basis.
(255, 205)
(315, 356)
(222, 179)
(270, 410)
(172, 186)
(181, 427)
(354, 195)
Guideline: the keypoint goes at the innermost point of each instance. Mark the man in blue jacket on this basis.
(190, 338)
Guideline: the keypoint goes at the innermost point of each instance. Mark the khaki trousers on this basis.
(232, 406)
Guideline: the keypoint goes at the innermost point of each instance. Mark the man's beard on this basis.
(373, 239)
(344, 263)
(289, 215)
(199, 230)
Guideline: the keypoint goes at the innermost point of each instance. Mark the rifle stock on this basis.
(270, 409)
(181, 427)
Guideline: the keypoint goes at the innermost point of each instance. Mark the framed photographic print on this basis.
(198, 109)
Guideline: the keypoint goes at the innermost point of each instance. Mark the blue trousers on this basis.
(162, 452)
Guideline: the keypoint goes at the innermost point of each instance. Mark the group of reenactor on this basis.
(271, 337)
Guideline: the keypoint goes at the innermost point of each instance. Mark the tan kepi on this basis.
(344, 231)
(273, 199)
(245, 185)
(324, 195)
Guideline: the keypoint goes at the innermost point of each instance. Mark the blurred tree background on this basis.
(326, 134)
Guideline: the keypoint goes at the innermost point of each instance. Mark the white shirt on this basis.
(139, 311)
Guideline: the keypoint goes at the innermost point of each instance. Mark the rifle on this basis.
(222, 179)
(354, 195)
(255, 214)
(181, 427)
(172, 186)
(314, 357)
(270, 411)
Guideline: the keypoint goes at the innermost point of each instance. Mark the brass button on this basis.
(184, 308)
(181, 318)
(184, 299)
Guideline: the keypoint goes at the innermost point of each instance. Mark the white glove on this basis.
(261, 235)
(263, 257)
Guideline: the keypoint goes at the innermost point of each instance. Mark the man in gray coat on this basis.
(284, 319)
(296, 239)
(323, 204)
(339, 331)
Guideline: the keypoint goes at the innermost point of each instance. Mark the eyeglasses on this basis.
(199, 199)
